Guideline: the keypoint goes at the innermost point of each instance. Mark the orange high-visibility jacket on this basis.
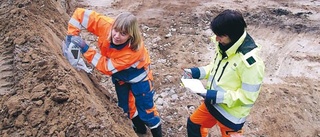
(123, 64)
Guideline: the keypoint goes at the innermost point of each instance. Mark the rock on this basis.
(38, 88)
(59, 97)
(168, 35)
(19, 122)
(159, 101)
(174, 97)
(38, 95)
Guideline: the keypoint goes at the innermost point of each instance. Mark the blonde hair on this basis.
(126, 22)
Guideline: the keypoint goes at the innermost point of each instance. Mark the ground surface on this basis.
(42, 95)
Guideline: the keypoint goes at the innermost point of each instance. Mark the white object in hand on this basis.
(194, 85)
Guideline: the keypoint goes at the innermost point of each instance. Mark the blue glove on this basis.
(68, 40)
(65, 45)
(79, 42)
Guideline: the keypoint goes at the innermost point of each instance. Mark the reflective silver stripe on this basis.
(249, 105)
(216, 87)
(135, 64)
(111, 67)
(228, 116)
(210, 78)
(85, 19)
(153, 127)
(135, 114)
(138, 78)
(202, 73)
(75, 23)
(95, 59)
(250, 87)
(220, 97)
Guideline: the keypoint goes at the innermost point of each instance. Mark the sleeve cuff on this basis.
(84, 49)
(211, 97)
(195, 72)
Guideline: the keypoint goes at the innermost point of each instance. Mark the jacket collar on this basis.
(119, 47)
(233, 49)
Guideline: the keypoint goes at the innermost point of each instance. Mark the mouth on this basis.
(115, 41)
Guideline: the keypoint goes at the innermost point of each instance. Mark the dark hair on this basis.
(229, 22)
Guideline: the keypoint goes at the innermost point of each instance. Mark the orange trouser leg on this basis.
(203, 118)
(126, 100)
(132, 105)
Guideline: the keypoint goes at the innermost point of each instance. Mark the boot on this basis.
(138, 125)
(157, 132)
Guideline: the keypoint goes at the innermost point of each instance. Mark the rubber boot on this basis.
(138, 125)
(157, 132)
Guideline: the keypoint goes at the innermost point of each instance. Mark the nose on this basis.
(116, 34)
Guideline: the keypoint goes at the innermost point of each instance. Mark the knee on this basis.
(191, 124)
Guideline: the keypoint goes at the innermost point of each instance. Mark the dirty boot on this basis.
(157, 132)
(138, 125)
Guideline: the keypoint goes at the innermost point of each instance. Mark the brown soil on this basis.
(42, 95)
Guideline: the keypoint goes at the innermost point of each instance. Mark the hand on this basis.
(68, 40)
(79, 42)
(65, 45)
(187, 74)
(202, 94)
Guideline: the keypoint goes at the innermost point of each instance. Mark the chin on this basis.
(115, 42)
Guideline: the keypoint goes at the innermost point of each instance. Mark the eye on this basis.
(123, 33)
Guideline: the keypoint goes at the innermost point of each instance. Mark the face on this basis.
(224, 39)
(119, 37)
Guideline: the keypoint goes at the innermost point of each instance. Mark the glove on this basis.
(79, 42)
(68, 40)
(66, 44)
(71, 52)
(187, 74)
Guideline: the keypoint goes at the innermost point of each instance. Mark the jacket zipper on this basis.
(224, 68)
(215, 73)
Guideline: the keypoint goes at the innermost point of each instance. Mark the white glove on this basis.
(82, 65)
(72, 53)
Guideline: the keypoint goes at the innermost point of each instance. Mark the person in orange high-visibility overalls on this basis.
(124, 57)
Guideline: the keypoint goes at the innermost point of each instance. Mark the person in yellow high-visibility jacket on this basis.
(124, 57)
(234, 78)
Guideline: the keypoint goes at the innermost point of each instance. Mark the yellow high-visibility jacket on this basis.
(234, 82)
